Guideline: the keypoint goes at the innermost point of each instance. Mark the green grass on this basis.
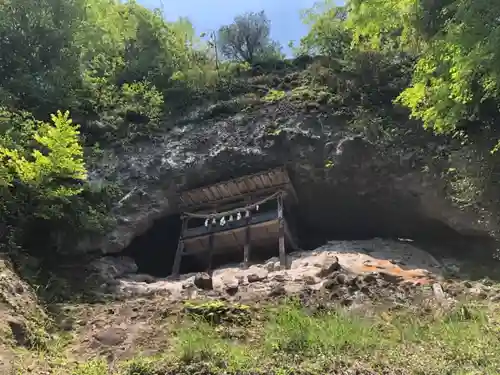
(463, 340)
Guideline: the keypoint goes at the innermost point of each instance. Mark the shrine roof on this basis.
(264, 182)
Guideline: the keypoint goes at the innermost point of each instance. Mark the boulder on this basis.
(258, 274)
(203, 281)
(19, 331)
(232, 288)
(111, 267)
(330, 266)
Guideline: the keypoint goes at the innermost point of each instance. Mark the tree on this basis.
(456, 80)
(111, 63)
(39, 56)
(248, 39)
(327, 34)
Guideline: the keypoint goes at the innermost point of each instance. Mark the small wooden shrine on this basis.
(239, 215)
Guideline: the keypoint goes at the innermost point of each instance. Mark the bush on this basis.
(43, 187)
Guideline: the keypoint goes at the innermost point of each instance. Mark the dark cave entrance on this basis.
(321, 215)
(154, 250)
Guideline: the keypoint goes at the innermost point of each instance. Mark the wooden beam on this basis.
(281, 232)
(180, 249)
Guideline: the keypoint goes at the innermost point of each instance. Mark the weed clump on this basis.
(218, 312)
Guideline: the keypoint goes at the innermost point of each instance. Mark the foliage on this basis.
(274, 96)
(62, 158)
(120, 69)
(40, 54)
(218, 312)
(292, 339)
(289, 339)
(43, 179)
(123, 70)
(247, 39)
(112, 64)
(456, 80)
(327, 34)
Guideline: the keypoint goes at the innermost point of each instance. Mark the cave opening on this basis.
(154, 250)
(321, 214)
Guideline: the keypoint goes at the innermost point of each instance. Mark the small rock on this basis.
(257, 276)
(341, 279)
(232, 289)
(232, 286)
(438, 292)
(357, 281)
(329, 284)
(277, 290)
(111, 336)
(468, 284)
(495, 298)
(310, 280)
(487, 282)
(279, 277)
(67, 325)
(477, 292)
(330, 266)
(393, 279)
(19, 331)
(371, 278)
(189, 283)
(347, 301)
(270, 267)
(203, 281)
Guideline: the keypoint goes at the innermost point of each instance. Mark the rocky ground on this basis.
(396, 261)
(143, 318)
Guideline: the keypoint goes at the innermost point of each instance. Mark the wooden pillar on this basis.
(180, 248)
(246, 246)
(281, 232)
(210, 251)
(211, 242)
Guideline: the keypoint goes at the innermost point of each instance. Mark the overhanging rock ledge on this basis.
(347, 185)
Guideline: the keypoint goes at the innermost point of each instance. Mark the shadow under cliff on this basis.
(323, 215)
(154, 250)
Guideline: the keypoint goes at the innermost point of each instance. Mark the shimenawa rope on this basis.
(231, 212)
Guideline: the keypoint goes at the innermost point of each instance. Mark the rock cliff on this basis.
(351, 182)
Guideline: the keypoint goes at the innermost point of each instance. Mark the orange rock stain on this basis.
(415, 276)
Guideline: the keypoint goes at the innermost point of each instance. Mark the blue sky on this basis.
(208, 15)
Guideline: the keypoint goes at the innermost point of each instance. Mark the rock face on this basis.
(20, 312)
(346, 185)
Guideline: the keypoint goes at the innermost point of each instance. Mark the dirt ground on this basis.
(354, 274)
